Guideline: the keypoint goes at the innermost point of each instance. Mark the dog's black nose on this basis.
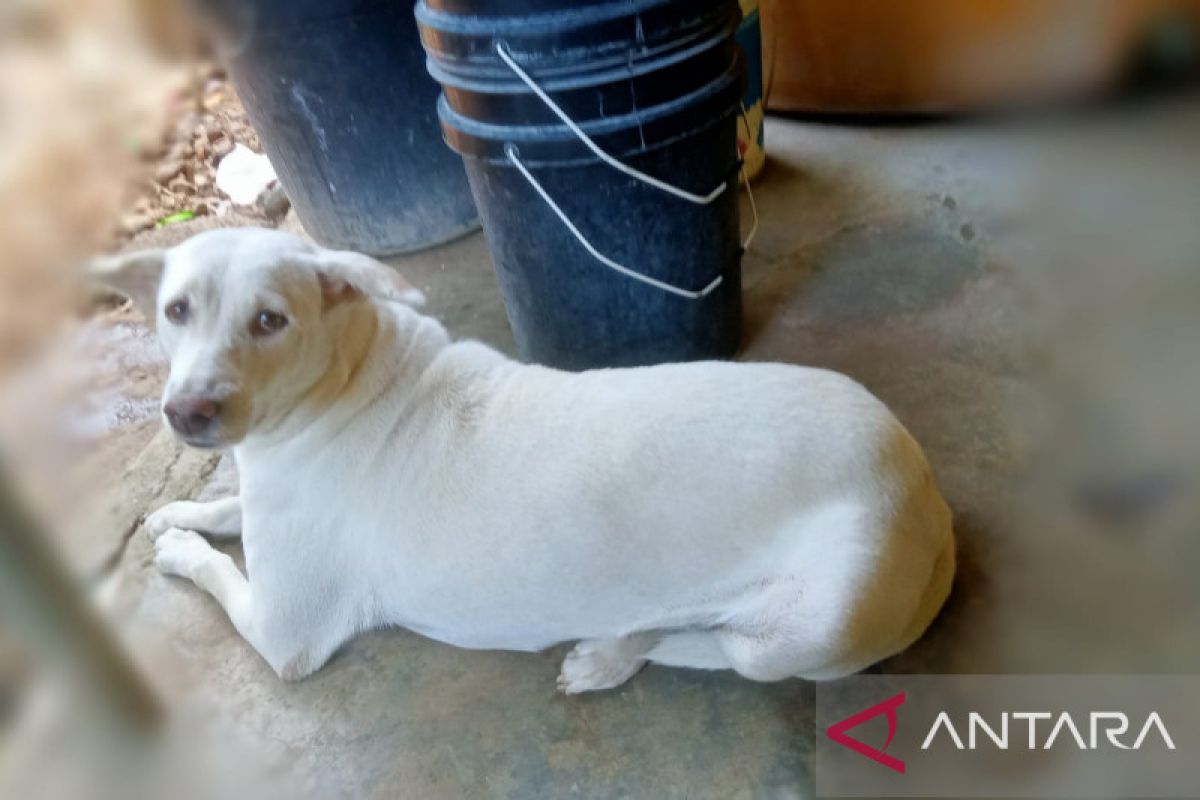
(193, 416)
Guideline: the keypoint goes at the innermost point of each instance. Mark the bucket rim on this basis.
(544, 22)
(720, 96)
(573, 80)
(556, 49)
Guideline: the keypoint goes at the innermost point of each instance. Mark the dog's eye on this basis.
(268, 322)
(177, 312)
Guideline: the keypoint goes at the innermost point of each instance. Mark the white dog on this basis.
(771, 519)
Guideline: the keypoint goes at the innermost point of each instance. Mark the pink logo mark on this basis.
(837, 732)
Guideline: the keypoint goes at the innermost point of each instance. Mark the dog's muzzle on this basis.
(194, 418)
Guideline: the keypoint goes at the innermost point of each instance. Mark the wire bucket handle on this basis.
(513, 155)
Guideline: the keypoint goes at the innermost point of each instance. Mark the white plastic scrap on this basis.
(244, 174)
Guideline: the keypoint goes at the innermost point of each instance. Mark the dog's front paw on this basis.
(595, 665)
(169, 516)
(180, 552)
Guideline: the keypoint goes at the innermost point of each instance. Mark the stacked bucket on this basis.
(600, 143)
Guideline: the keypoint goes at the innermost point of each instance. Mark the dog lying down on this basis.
(771, 519)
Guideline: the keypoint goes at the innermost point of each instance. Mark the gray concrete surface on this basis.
(1025, 297)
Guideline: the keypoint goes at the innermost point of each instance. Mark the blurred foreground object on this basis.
(866, 56)
(90, 724)
(84, 675)
(56, 623)
(84, 98)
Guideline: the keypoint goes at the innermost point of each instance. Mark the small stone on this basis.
(201, 181)
(274, 201)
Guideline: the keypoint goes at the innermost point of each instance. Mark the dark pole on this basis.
(53, 618)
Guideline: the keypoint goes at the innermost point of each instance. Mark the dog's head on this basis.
(250, 320)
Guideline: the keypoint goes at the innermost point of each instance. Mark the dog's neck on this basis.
(380, 349)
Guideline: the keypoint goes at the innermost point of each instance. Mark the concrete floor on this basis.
(1024, 295)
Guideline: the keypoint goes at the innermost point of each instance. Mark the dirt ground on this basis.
(178, 173)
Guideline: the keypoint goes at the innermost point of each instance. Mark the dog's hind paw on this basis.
(593, 665)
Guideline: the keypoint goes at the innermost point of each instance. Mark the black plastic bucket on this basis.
(599, 266)
(338, 93)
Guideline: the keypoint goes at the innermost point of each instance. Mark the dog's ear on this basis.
(345, 275)
(135, 275)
